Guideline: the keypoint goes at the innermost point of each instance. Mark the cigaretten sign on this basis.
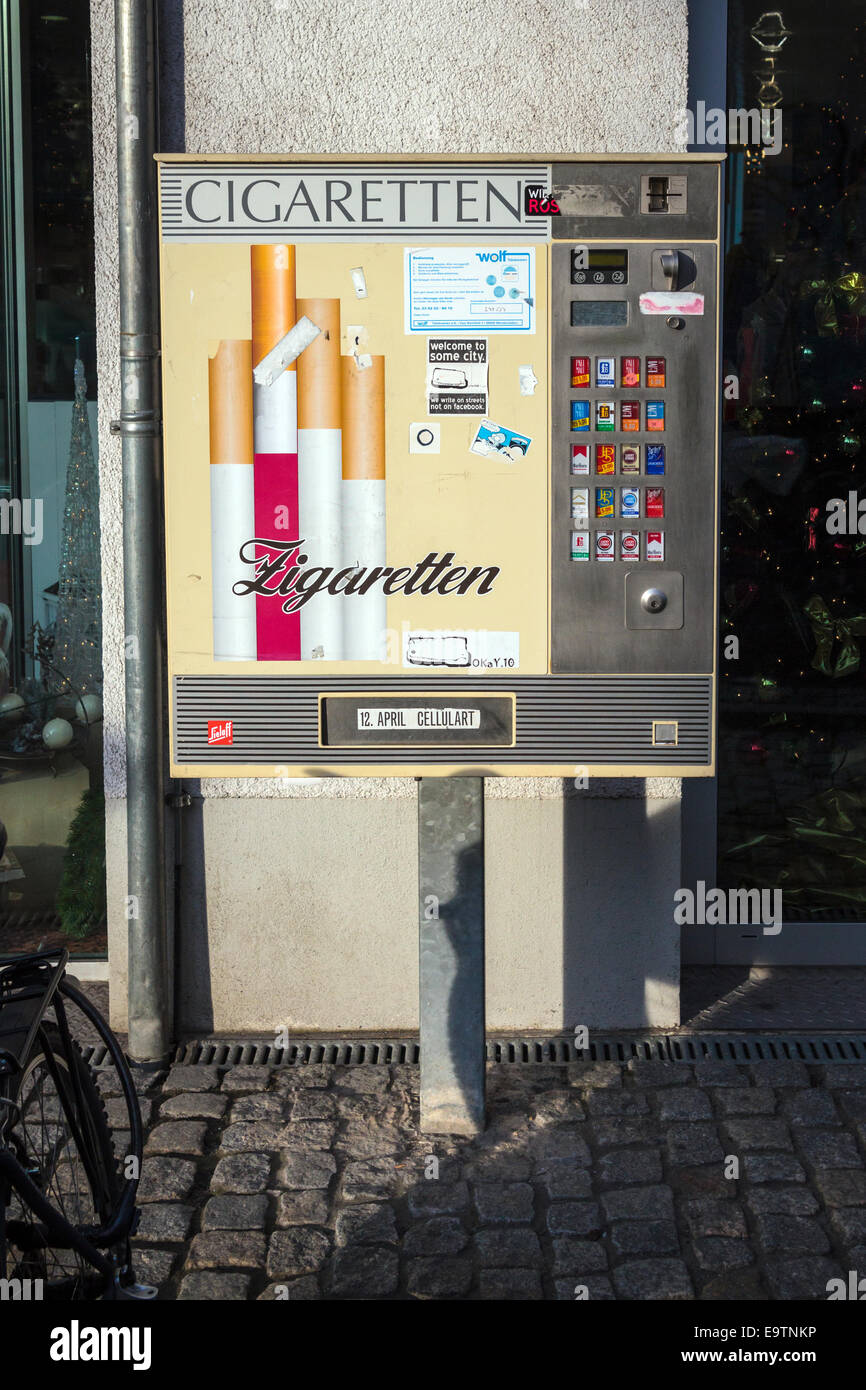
(366, 202)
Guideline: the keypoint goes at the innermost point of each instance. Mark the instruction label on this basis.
(457, 374)
(489, 289)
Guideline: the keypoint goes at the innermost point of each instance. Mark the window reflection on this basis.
(792, 753)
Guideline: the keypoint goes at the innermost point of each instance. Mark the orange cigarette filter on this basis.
(319, 396)
(363, 419)
(272, 273)
(230, 402)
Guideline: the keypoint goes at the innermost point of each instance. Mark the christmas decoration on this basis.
(88, 710)
(57, 733)
(12, 707)
(849, 442)
(78, 635)
(836, 651)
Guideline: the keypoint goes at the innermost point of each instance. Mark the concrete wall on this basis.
(284, 918)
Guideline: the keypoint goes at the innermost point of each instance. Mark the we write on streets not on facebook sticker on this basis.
(457, 374)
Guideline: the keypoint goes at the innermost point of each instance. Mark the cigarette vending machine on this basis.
(441, 464)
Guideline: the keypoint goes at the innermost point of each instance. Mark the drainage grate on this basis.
(297, 1054)
(671, 1048)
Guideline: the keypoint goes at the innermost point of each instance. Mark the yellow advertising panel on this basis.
(389, 488)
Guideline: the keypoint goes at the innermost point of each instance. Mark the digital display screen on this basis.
(599, 313)
(599, 265)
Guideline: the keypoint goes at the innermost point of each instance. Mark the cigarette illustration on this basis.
(230, 397)
(275, 434)
(363, 499)
(320, 472)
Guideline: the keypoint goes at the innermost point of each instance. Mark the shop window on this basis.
(52, 869)
(792, 748)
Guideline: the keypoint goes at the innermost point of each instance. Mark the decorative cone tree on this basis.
(78, 641)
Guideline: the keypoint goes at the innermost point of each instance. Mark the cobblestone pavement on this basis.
(646, 1181)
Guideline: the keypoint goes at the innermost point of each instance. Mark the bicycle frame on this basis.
(28, 988)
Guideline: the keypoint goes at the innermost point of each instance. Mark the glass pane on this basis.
(792, 751)
(59, 209)
(52, 876)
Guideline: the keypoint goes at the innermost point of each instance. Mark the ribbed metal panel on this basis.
(672, 1048)
(560, 719)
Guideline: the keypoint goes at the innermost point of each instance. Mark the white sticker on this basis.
(528, 380)
(445, 717)
(494, 440)
(484, 289)
(424, 438)
(462, 650)
(286, 351)
(359, 281)
(456, 381)
(674, 302)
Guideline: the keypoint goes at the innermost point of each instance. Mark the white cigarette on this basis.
(364, 615)
(363, 499)
(231, 498)
(287, 351)
(320, 475)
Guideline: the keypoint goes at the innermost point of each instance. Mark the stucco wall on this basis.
(367, 76)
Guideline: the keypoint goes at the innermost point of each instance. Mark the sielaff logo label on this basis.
(77, 1343)
(220, 731)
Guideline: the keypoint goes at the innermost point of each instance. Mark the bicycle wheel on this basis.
(64, 1143)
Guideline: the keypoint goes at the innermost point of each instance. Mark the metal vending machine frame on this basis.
(441, 473)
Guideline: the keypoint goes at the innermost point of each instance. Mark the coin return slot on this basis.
(665, 733)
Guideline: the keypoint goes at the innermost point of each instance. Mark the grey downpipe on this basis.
(140, 429)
